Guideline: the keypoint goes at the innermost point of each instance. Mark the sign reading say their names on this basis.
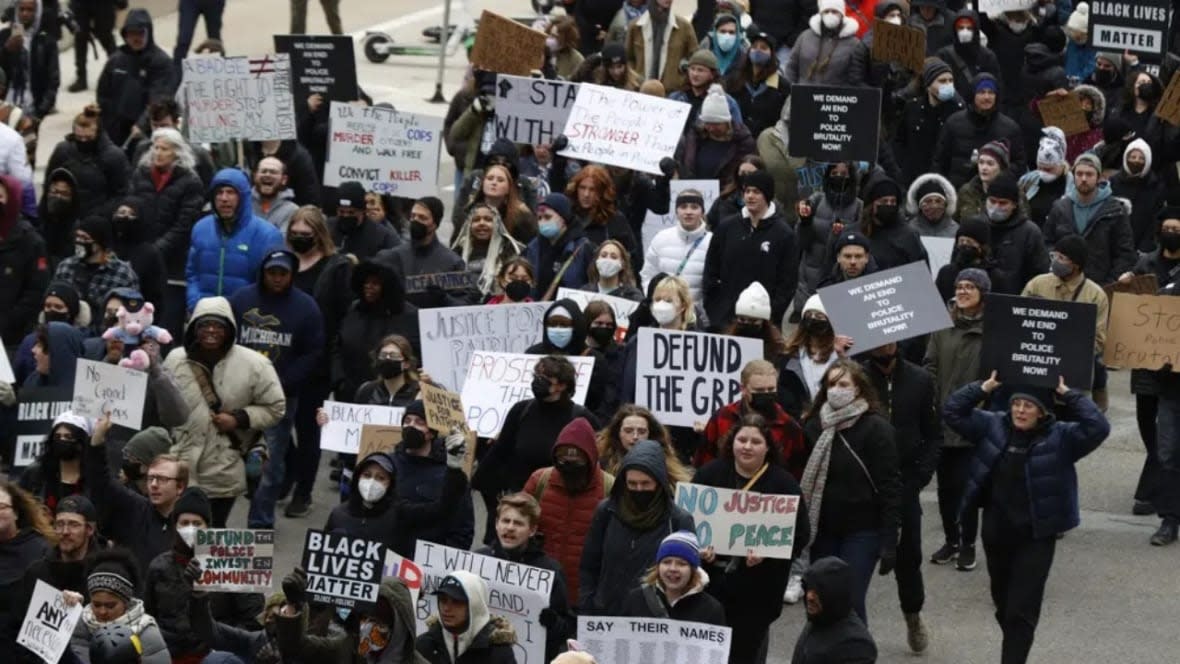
(451, 334)
(342, 433)
(835, 123)
(37, 408)
(496, 381)
(48, 624)
(654, 223)
(734, 522)
(235, 561)
(244, 98)
(621, 128)
(507, 47)
(887, 306)
(320, 64)
(684, 377)
(1144, 332)
(387, 151)
(101, 388)
(343, 571)
(644, 640)
(1138, 26)
(532, 110)
(1033, 341)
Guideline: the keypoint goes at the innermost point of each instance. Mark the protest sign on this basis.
(320, 64)
(447, 281)
(342, 433)
(235, 561)
(506, 47)
(245, 98)
(37, 408)
(1138, 26)
(1033, 341)
(903, 44)
(6, 375)
(1140, 284)
(496, 381)
(530, 110)
(451, 334)
(387, 151)
(835, 123)
(938, 251)
(887, 306)
(1144, 332)
(343, 571)
(997, 7)
(644, 640)
(1169, 107)
(734, 522)
(654, 223)
(1064, 112)
(515, 591)
(48, 624)
(621, 128)
(378, 438)
(621, 306)
(684, 377)
(444, 409)
(101, 388)
(406, 570)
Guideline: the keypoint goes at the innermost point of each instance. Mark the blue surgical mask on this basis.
(549, 229)
(343, 613)
(560, 336)
(759, 57)
(862, 167)
(946, 92)
(726, 41)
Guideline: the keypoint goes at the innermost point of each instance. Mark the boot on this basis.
(1167, 533)
(916, 634)
(1101, 399)
(78, 85)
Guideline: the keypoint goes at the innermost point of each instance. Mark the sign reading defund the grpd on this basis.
(684, 377)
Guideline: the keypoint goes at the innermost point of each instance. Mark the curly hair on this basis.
(610, 445)
(604, 186)
(30, 513)
(566, 31)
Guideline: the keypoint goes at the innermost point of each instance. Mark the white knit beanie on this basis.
(754, 302)
(1079, 20)
(1051, 149)
(715, 108)
(813, 303)
(825, 5)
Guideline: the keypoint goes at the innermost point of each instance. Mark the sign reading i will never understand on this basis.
(343, 571)
(1033, 341)
(835, 123)
(887, 306)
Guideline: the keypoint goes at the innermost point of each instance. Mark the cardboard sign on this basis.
(621, 306)
(1144, 332)
(378, 438)
(48, 624)
(530, 110)
(939, 251)
(406, 570)
(1033, 341)
(734, 522)
(342, 433)
(343, 571)
(633, 640)
(6, 375)
(37, 408)
(887, 306)
(684, 377)
(444, 409)
(621, 128)
(451, 334)
(1140, 284)
(654, 223)
(235, 561)
(320, 64)
(101, 388)
(515, 591)
(1168, 109)
(506, 47)
(1064, 112)
(903, 44)
(496, 381)
(997, 7)
(835, 123)
(1138, 26)
(387, 151)
(447, 281)
(245, 98)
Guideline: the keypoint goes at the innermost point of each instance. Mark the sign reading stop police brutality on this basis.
(343, 571)
(734, 522)
(887, 306)
(835, 123)
(1032, 341)
(1138, 26)
(532, 110)
(621, 128)
(684, 377)
(1144, 332)
(387, 151)
(650, 640)
(246, 98)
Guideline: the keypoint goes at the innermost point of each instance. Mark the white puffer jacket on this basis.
(668, 249)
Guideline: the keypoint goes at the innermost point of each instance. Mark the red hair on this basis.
(603, 184)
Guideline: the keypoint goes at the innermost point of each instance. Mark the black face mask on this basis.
(349, 224)
(816, 327)
(57, 206)
(517, 290)
(883, 361)
(389, 368)
(763, 402)
(642, 499)
(88, 146)
(132, 470)
(301, 244)
(413, 438)
(57, 317)
(541, 388)
(574, 474)
(602, 335)
(122, 224)
(66, 450)
(418, 232)
(967, 255)
(1147, 92)
(751, 330)
(1104, 77)
(838, 189)
(109, 322)
(1170, 241)
(886, 214)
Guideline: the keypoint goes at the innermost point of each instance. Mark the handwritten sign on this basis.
(1169, 107)
(1138, 26)
(444, 409)
(235, 561)
(6, 375)
(378, 438)
(643, 640)
(406, 570)
(685, 377)
(342, 433)
(903, 44)
(621, 128)
(387, 151)
(48, 624)
(1144, 332)
(1033, 341)
(621, 306)
(451, 334)
(244, 98)
(320, 64)
(515, 591)
(496, 381)
(835, 123)
(447, 281)
(654, 223)
(343, 571)
(1064, 112)
(532, 110)
(101, 388)
(887, 306)
(1140, 284)
(37, 408)
(507, 47)
(734, 522)
(997, 7)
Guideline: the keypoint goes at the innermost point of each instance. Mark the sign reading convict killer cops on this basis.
(387, 151)
(235, 561)
(887, 306)
(627, 129)
(645, 640)
(835, 123)
(451, 334)
(48, 624)
(1138, 26)
(684, 377)
(532, 110)
(735, 522)
(246, 98)
(343, 571)
(1144, 332)
(1033, 341)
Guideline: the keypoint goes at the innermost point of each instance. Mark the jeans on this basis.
(221, 657)
(954, 465)
(1099, 374)
(1146, 411)
(190, 11)
(1018, 567)
(307, 432)
(911, 590)
(1167, 499)
(95, 20)
(331, 15)
(861, 551)
(278, 440)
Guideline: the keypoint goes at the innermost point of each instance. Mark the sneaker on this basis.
(794, 591)
(1143, 508)
(966, 559)
(78, 85)
(335, 475)
(1166, 534)
(298, 508)
(916, 634)
(945, 554)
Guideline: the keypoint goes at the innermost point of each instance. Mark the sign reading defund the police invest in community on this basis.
(887, 306)
(735, 522)
(387, 151)
(235, 561)
(1138, 26)
(1033, 341)
(343, 571)
(49, 623)
(834, 123)
(621, 128)
(684, 377)
(246, 98)
(648, 640)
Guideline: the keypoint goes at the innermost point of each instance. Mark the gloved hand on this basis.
(7, 394)
(888, 555)
(668, 166)
(295, 586)
(483, 104)
(548, 618)
(560, 143)
(254, 462)
(456, 450)
(191, 571)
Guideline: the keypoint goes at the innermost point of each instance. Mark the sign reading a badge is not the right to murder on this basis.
(887, 306)
(1033, 341)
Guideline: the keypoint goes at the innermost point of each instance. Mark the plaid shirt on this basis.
(94, 284)
(787, 433)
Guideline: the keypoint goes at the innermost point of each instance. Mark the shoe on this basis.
(298, 508)
(916, 634)
(1143, 508)
(336, 462)
(78, 85)
(1101, 399)
(794, 590)
(966, 559)
(945, 554)
(334, 475)
(1166, 534)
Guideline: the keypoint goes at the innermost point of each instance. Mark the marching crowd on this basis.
(249, 294)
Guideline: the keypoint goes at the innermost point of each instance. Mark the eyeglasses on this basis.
(68, 525)
(160, 479)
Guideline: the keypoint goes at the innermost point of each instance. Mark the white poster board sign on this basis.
(530, 110)
(997, 7)
(101, 388)
(621, 306)
(496, 381)
(6, 375)
(406, 570)
(685, 377)
(342, 433)
(235, 560)
(48, 624)
(243, 97)
(938, 250)
(622, 128)
(451, 334)
(654, 223)
(647, 640)
(734, 522)
(387, 151)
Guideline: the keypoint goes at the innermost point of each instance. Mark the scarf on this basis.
(632, 13)
(643, 519)
(815, 475)
(135, 618)
(160, 178)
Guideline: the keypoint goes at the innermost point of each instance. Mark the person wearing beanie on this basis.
(1048, 182)
(1137, 183)
(829, 50)
(756, 84)
(923, 117)
(1107, 77)
(972, 249)
(611, 69)
(1017, 245)
(349, 230)
(1090, 209)
(60, 304)
(1023, 457)
(1080, 56)
(675, 586)
(938, 22)
(683, 247)
(426, 254)
(659, 42)
(138, 454)
(716, 143)
(966, 53)
(967, 131)
(112, 583)
(893, 242)
(854, 259)
(57, 471)
(59, 212)
(931, 203)
(991, 160)
(561, 253)
(94, 270)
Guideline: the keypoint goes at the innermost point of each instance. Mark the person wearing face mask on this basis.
(1091, 210)
(972, 248)
(923, 117)
(681, 250)
(752, 320)
(94, 270)
(823, 216)
(131, 243)
(990, 161)
(60, 304)
(426, 254)
(564, 333)
(828, 51)
(756, 85)
(933, 18)
(57, 472)
(811, 349)
(1017, 245)
(58, 214)
(1094, 105)
(893, 242)
(1144, 189)
(727, 42)
(852, 483)
(560, 254)
(1107, 77)
(101, 169)
(627, 530)
(561, 46)
(611, 273)
(349, 230)
(966, 55)
(967, 131)
(1048, 182)
(1141, 95)
(931, 203)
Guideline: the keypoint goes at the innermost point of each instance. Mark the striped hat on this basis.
(681, 544)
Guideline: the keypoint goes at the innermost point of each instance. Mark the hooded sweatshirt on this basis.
(131, 79)
(487, 639)
(836, 634)
(1084, 212)
(1145, 191)
(65, 347)
(365, 324)
(132, 244)
(401, 648)
(23, 264)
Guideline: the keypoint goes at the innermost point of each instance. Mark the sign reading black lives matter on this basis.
(320, 64)
(1033, 341)
(1138, 26)
(834, 123)
(343, 571)
(887, 306)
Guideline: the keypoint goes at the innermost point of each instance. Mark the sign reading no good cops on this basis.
(387, 151)
(1033, 341)
(343, 571)
(835, 123)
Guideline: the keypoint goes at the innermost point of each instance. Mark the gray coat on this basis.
(952, 357)
(824, 60)
(142, 624)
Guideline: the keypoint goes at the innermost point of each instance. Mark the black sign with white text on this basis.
(834, 123)
(1138, 26)
(323, 64)
(37, 409)
(1033, 341)
(343, 571)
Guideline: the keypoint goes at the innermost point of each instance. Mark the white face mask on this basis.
(895, 20)
(831, 21)
(840, 397)
(965, 36)
(664, 312)
(370, 489)
(608, 267)
(188, 534)
(1017, 26)
(1046, 176)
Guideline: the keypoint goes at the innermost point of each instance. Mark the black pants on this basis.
(220, 508)
(750, 642)
(1146, 409)
(306, 456)
(953, 467)
(911, 589)
(95, 19)
(1018, 565)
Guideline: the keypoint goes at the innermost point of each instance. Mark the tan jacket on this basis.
(1048, 286)
(680, 41)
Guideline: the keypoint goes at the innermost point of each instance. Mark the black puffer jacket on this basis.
(100, 169)
(969, 60)
(967, 131)
(131, 80)
(917, 135)
(1019, 249)
(39, 94)
(171, 211)
(1111, 250)
(836, 634)
(364, 325)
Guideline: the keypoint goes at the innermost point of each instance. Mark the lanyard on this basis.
(689, 254)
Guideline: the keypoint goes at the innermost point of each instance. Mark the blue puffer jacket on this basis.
(1052, 479)
(219, 264)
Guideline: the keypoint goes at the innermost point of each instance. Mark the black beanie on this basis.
(976, 229)
(193, 501)
(416, 407)
(100, 229)
(882, 187)
(1074, 248)
(762, 181)
(66, 293)
(435, 206)
(1005, 187)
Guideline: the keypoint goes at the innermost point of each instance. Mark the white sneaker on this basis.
(794, 590)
